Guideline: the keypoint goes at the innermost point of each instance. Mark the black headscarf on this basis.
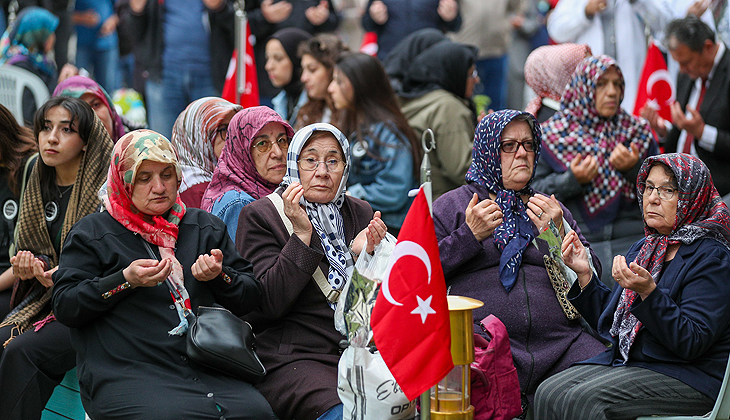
(402, 55)
(444, 65)
(290, 39)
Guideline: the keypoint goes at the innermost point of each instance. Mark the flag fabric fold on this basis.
(410, 320)
(656, 88)
(250, 96)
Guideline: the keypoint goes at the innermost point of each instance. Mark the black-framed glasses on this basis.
(332, 165)
(264, 146)
(222, 131)
(511, 146)
(665, 193)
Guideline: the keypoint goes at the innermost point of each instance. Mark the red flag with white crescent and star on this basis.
(656, 88)
(250, 96)
(410, 320)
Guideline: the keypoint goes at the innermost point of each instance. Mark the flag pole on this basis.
(428, 142)
(241, 22)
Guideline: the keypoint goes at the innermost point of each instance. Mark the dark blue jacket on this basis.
(684, 331)
(404, 18)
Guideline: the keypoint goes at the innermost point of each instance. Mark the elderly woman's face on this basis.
(660, 214)
(517, 166)
(321, 184)
(268, 150)
(608, 93)
(155, 187)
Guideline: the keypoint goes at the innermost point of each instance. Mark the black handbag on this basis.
(218, 339)
(222, 341)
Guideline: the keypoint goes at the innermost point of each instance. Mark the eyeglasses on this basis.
(665, 193)
(332, 165)
(222, 131)
(514, 146)
(264, 146)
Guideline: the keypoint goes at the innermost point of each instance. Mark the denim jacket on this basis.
(383, 174)
(229, 206)
(279, 101)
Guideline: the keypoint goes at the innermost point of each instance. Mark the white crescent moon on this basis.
(657, 76)
(401, 250)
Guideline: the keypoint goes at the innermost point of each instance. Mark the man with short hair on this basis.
(701, 115)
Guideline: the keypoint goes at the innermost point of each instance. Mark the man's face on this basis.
(695, 64)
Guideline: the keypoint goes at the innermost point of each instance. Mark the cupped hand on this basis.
(378, 12)
(371, 236)
(208, 266)
(584, 169)
(623, 158)
(26, 266)
(296, 213)
(147, 272)
(482, 217)
(543, 208)
(633, 277)
(275, 12)
(319, 14)
(694, 125)
(657, 123)
(575, 257)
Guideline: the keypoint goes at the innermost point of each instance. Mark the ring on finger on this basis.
(539, 216)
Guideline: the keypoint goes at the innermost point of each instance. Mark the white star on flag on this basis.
(424, 308)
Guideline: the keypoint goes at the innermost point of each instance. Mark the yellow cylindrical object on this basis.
(451, 397)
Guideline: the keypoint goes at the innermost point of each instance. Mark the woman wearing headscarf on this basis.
(93, 94)
(27, 44)
(593, 151)
(400, 58)
(199, 134)
(285, 71)
(302, 268)
(74, 149)
(252, 163)
(667, 315)
(117, 298)
(436, 94)
(487, 233)
(548, 71)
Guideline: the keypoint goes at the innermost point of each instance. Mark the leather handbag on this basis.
(222, 341)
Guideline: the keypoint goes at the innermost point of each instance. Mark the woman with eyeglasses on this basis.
(198, 135)
(593, 152)
(667, 315)
(386, 154)
(487, 232)
(302, 267)
(251, 165)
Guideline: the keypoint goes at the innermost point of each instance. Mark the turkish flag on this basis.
(410, 320)
(656, 88)
(250, 96)
(369, 44)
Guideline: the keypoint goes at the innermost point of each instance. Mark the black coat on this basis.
(128, 364)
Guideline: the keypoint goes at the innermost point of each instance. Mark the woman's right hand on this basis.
(584, 169)
(378, 12)
(147, 272)
(295, 212)
(482, 217)
(575, 257)
(26, 266)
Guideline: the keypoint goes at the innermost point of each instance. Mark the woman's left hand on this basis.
(544, 208)
(633, 277)
(622, 158)
(208, 266)
(371, 236)
(46, 279)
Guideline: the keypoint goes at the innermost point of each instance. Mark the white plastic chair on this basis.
(12, 82)
(721, 410)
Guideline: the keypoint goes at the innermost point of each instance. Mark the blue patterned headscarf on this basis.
(326, 217)
(516, 230)
(25, 39)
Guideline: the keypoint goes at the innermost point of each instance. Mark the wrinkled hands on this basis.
(575, 257)
(26, 266)
(371, 236)
(482, 217)
(295, 212)
(378, 12)
(633, 277)
(544, 208)
(694, 125)
(275, 12)
(208, 266)
(319, 14)
(622, 158)
(147, 272)
(584, 169)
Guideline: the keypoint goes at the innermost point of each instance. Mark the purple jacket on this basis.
(543, 340)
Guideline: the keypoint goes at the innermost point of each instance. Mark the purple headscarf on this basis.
(77, 86)
(516, 230)
(236, 168)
